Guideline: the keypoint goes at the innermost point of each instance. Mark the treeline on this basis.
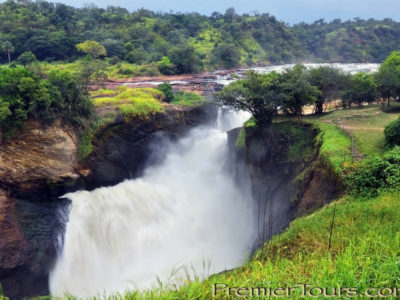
(264, 95)
(187, 42)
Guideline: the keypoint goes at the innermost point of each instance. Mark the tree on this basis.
(166, 89)
(26, 58)
(259, 94)
(388, 77)
(185, 59)
(165, 66)
(73, 102)
(297, 91)
(91, 71)
(22, 95)
(225, 55)
(362, 88)
(93, 48)
(7, 48)
(113, 47)
(329, 81)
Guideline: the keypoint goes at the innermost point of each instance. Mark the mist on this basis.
(184, 218)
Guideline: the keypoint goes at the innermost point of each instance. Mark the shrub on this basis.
(166, 89)
(165, 66)
(26, 58)
(392, 133)
(366, 178)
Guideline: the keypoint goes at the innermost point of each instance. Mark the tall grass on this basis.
(188, 99)
(134, 102)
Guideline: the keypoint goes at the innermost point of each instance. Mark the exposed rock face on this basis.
(13, 246)
(38, 154)
(124, 150)
(288, 177)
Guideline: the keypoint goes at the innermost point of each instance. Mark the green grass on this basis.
(188, 99)
(366, 125)
(133, 103)
(241, 139)
(85, 143)
(128, 70)
(335, 145)
(103, 93)
(118, 71)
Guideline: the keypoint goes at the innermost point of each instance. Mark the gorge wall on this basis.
(289, 178)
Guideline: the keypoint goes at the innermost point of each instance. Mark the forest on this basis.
(176, 43)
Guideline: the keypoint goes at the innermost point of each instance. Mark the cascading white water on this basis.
(185, 217)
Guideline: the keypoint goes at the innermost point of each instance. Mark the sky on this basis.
(289, 11)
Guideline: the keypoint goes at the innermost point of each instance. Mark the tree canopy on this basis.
(52, 30)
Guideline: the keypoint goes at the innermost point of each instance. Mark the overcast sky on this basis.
(290, 11)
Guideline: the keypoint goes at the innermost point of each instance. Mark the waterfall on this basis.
(183, 218)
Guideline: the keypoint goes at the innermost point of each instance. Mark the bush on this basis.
(26, 58)
(165, 66)
(367, 178)
(392, 133)
(166, 89)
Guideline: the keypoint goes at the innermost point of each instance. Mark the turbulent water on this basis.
(347, 68)
(183, 218)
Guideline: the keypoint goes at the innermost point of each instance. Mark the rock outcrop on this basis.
(38, 154)
(288, 176)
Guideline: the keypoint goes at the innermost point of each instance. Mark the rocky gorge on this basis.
(40, 165)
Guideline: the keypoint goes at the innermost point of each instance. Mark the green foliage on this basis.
(7, 48)
(165, 66)
(85, 144)
(330, 82)
(296, 90)
(91, 71)
(93, 48)
(188, 99)
(24, 95)
(361, 88)
(134, 103)
(241, 139)
(388, 76)
(366, 178)
(185, 59)
(335, 146)
(74, 104)
(166, 89)
(392, 133)
(225, 55)
(26, 58)
(52, 30)
(259, 94)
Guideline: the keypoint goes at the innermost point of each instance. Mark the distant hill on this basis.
(51, 31)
